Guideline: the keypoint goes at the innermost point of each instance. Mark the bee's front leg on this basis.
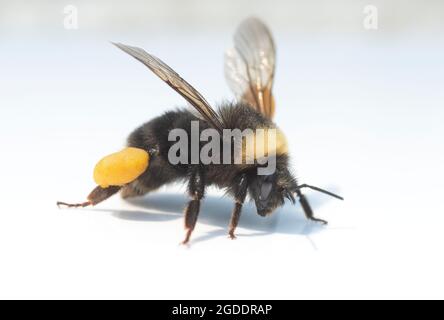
(196, 190)
(307, 209)
(240, 192)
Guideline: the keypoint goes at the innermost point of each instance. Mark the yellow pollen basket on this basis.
(121, 168)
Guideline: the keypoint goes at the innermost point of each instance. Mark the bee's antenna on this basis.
(320, 190)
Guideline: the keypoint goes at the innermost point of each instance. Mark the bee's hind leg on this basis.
(130, 191)
(98, 195)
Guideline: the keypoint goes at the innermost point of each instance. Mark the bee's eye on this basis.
(265, 190)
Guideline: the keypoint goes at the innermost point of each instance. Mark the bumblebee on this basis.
(145, 165)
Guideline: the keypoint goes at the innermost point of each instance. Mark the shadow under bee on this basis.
(216, 212)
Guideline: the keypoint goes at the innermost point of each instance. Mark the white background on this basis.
(362, 111)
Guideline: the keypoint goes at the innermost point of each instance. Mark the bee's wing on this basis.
(164, 72)
(250, 65)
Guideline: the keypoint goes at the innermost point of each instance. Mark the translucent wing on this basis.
(250, 65)
(164, 72)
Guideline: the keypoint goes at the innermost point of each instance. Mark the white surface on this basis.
(363, 116)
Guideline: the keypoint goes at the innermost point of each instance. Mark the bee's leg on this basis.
(196, 190)
(131, 191)
(240, 192)
(98, 195)
(307, 209)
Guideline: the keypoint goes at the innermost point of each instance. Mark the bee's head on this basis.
(267, 193)
(270, 191)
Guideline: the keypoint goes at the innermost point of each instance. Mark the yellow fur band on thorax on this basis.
(263, 143)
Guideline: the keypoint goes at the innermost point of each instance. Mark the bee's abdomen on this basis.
(154, 134)
(153, 137)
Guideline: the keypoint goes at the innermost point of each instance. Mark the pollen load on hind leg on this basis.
(121, 168)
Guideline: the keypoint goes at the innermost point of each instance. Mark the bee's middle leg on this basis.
(196, 190)
(240, 192)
